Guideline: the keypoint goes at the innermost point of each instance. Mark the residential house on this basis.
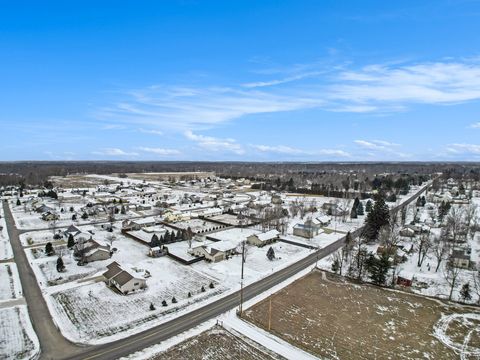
(86, 251)
(461, 257)
(123, 280)
(263, 239)
(308, 230)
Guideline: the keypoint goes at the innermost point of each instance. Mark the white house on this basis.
(263, 238)
(123, 280)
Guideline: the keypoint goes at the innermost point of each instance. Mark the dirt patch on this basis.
(217, 344)
(339, 320)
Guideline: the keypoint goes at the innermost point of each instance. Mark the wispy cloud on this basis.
(376, 147)
(211, 143)
(428, 83)
(287, 150)
(114, 152)
(283, 80)
(462, 148)
(151, 131)
(378, 88)
(160, 151)
(475, 125)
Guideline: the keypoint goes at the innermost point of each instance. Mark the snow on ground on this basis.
(443, 332)
(17, 338)
(10, 287)
(5, 247)
(93, 312)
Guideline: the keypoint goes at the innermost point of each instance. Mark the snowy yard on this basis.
(5, 247)
(94, 313)
(17, 338)
(10, 287)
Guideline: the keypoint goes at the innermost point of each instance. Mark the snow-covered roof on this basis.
(268, 235)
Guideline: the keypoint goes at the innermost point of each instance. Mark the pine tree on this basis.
(84, 216)
(202, 289)
(270, 254)
(152, 307)
(154, 241)
(465, 292)
(360, 210)
(71, 241)
(335, 266)
(49, 249)
(379, 216)
(353, 213)
(18, 202)
(211, 286)
(174, 301)
(378, 268)
(60, 265)
(164, 303)
(368, 206)
(189, 294)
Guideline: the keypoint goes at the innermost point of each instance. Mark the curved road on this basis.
(55, 346)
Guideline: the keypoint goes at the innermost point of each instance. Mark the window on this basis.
(135, 284)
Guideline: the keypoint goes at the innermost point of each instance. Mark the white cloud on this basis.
(283, 80)
(287, 150)
(215, 144)
(160, 151)
(376, 88)
(114, 152)
(430, 83)
(150, 131)
(279, 149)
(464, 149)
(381, 146)
(475, 125)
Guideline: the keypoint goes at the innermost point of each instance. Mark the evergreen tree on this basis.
(74, 217)
(154, 241)
(360, 210)
(84, 216)
(18, 202)
(211, 286)
(164, 303)
(174, 301)
(270, 253)
(378, 268)
(465, 292)
(368, 206)
(189, 294)
(152, 307)
(60, 265)
(335, 266)
(379, 216)
(71, 241)
(49, 249)
(202, 289)
(353, 213)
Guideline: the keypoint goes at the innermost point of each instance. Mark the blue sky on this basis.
(240, 80)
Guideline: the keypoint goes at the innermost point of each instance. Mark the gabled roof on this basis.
(267, 235)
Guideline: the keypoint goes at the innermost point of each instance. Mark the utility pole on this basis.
(240, 309)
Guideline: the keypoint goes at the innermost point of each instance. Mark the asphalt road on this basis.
(52, 343)
(54, 346)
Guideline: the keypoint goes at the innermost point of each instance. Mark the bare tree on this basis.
(451, 273)
(441, 248)
(424, 244)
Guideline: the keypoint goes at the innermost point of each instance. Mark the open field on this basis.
(217, 344)
(339, 320)
(95, 312)
(17, 338)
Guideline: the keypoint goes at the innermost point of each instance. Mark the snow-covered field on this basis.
(10, 287)
(5, 247)
(93, 312)
(17, 338)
